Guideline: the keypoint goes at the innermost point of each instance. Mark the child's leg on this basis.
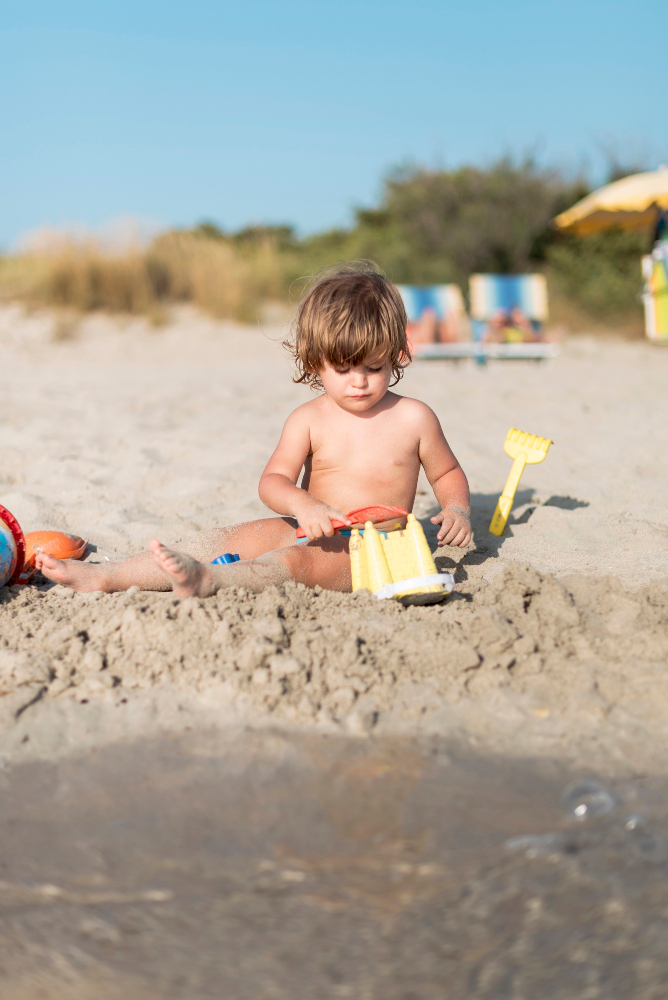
(249, 540)
(325, 563)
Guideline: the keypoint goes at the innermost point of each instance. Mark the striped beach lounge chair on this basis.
(491, 294)
(655, 296)
(436, 314)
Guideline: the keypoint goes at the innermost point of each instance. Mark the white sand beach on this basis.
(555, 641)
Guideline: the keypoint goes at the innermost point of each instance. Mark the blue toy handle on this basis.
(227, 557)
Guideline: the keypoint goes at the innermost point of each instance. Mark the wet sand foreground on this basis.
(266, 865)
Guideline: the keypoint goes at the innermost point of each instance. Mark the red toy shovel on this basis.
(375, 514)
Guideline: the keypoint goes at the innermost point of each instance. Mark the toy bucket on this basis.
(54, 543)
(12, 548)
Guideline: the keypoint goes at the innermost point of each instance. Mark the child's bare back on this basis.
(357, 445)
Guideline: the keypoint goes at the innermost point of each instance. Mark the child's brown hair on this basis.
(349, 313)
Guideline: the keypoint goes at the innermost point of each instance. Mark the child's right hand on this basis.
(316, 520)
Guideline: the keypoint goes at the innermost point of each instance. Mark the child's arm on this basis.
(278, 489)
(448, 482)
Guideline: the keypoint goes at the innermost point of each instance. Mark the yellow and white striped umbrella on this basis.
(630, 203)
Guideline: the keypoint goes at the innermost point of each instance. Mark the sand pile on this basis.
(120, 432)
(123, 432)
(578, 649)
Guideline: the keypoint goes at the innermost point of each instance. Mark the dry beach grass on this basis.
(224, 280)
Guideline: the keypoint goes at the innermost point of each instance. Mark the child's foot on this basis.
(188, 577)
(84, 577)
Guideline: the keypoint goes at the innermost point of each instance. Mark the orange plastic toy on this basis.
(364, 514)
(54, 543)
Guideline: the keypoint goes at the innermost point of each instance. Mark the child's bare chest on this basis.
(363, 446)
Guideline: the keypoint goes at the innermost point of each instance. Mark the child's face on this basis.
(357, 388)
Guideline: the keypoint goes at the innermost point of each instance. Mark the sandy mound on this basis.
(523, 645)
(122, 432)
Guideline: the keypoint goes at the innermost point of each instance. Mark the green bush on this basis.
(429, 227)
(435, 226)
(600, 274)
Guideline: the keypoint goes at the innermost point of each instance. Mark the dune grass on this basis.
(430, 226)
(220, 278)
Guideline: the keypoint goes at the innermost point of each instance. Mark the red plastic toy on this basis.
(362, 514)
(18, 551)
(13, 547)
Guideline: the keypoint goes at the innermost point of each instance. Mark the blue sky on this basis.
(285, 111)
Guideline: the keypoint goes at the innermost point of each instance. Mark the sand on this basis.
(554, 643)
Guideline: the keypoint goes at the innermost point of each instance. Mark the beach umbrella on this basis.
(634, 202)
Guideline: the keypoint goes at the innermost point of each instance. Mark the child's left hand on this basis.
(455, 527)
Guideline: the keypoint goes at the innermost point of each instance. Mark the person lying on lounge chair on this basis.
(510, 327)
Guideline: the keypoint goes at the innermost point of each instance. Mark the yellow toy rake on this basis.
(524, 449)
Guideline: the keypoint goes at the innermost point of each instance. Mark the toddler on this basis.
(358, 443)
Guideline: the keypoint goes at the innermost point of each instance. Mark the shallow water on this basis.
(260, 864)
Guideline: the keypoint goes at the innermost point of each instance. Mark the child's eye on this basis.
(342, 371)
(375, 369)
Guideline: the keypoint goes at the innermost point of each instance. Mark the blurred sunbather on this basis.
(510, 326)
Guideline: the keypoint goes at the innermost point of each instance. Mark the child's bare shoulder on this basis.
(307, 412)
(303, 423)
(414, 413)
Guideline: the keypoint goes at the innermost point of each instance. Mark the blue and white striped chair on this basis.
(436, 313)
(491, 293)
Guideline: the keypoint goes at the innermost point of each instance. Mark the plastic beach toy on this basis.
(525, 449)
(374, 514)
(12, 548)
(398, 565)
(227, 557)
(55, 543)
(18, 551)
